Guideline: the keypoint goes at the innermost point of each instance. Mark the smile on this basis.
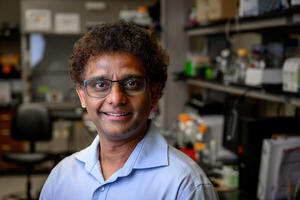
(117, 114)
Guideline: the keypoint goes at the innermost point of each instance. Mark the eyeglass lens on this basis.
(100, 88)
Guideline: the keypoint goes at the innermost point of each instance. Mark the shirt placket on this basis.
(101, 192)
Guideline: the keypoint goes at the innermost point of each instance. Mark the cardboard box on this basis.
(214, 10)
(202, 10)
(222, 9)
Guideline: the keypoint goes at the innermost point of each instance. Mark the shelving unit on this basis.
(283, 19)
(207, 40)
(239, 90)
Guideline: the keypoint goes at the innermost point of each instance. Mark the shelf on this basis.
(286, 18)
(239, 90)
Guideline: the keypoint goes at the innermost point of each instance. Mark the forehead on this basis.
(114, 65)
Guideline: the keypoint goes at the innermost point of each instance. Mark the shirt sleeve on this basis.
(46, 193)
(202, 192)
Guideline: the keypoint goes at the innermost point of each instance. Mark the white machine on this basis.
(259, 76)
(279, 168)
(291, 75)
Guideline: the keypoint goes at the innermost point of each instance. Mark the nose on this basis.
(116, 96)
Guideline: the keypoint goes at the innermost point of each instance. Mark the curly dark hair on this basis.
(120, 36)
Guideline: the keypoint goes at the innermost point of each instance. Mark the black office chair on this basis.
(32, 123)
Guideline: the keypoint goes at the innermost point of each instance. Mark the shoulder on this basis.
(193, 182)
(59, 173)
(66, 164)
(187, 168)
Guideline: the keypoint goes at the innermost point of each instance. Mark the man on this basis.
(120, 71)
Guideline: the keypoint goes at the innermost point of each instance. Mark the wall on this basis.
(59, 46)
(109, 14)
(174, 19)
(10, 11)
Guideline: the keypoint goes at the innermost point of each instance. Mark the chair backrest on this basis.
(31, 122)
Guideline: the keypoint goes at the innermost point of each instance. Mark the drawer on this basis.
(6, 116)
(5, 124)
(8, 147)
(6, 139)
(4, 132)
(5, 148)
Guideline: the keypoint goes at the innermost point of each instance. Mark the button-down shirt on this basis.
(153, 171)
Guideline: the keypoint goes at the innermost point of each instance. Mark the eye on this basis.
(134, 84)
(99, 85)
(131, 83)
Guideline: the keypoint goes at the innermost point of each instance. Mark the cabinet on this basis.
(7, 144)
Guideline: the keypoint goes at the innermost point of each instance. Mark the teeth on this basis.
(117, 114)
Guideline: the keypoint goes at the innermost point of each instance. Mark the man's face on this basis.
(118, 116)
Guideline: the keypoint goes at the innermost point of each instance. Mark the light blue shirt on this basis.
(153, 171)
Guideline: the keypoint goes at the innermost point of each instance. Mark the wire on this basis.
(289, 190)
(234, 116)
(240, 97)
(297, 186)
(228, 27)
(279, 108)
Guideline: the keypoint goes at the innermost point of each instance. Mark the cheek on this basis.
(144, 104)
(93, 105)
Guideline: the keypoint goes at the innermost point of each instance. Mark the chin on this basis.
(120, 133)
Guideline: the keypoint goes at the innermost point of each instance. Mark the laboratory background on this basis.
(231, 101)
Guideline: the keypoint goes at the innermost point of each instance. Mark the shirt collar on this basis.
(90, 155)
(143, 156)
(154, 152)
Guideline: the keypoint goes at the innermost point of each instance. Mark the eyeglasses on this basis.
(130, 86)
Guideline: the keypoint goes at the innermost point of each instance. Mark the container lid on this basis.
(242, 52)
(202, 128)
(183, 117)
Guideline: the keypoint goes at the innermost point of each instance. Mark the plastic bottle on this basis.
(257, 60)
(201, 130)
(199, 146)
(143, 18)
(213, 152)
(183, 120)
(241, 65)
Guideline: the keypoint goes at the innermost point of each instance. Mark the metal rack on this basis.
(239, 90)
(284, 19)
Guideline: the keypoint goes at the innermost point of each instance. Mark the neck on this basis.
(114, 154)
(117, 151)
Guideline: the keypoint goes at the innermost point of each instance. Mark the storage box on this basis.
(257, 7)
(222, 9)
(202, 10)
(257, 77)
(291, 75)
(248, 8)
(213, 10)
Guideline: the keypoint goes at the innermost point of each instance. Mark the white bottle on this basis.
(143, 18)
(241, 65)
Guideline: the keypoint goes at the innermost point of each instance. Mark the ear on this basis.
(81, 95)
(155, 93)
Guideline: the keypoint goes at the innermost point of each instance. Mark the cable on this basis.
(234, 116)
(237, 28)
(296, 190)
(241, 96)
(279, 108)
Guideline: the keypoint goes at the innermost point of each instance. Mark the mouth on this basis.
(117, 115)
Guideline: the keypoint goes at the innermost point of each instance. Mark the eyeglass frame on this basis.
(85, 83)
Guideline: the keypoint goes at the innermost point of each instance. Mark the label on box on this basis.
(68, 23)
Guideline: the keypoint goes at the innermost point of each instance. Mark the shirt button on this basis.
(102, 189)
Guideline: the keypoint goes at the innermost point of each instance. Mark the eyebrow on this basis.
(126, 76)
